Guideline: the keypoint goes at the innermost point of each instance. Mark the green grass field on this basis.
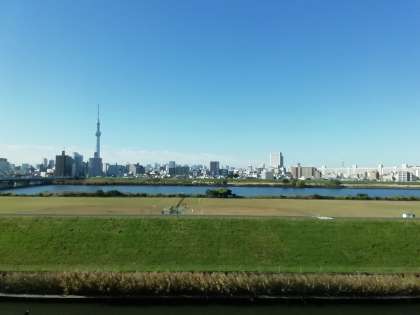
(262, 235)
(208, 244)
(93, 206)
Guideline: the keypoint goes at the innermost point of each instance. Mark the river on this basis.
(241, 191)
(38, 308)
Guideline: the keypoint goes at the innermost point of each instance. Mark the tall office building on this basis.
(171, 168)
(276, 160)
(79, 169)
(51, 164)
(182, 170)
(63, 165)
(95, 163)
(5, 168)
(45, 163)
(214, 168)
(140, 169)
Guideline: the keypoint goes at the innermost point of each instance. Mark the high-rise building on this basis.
(140, 169)
(116, 170)
(95, 163)
(405, 176)
(171, 168)
(45, 163)
(224, 171)
(276, 160)
(381, 170)
(51, 164)
(43, 166)
(265, 174)
(214, 168)
(132, 169)
(300, 171)
(63, 165)
(182, 170)
(79, 168)
(5, 168)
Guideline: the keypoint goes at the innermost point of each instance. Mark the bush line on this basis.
(196, 284)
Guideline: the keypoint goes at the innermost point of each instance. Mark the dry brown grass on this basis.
(205, 206)
(210, 284)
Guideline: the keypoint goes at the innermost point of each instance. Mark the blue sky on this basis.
(324, 82)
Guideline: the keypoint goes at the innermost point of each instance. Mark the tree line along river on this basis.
(240, 191)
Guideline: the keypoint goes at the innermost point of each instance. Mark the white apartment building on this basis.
(403, 173)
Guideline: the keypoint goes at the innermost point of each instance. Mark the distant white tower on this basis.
(98, 137)
(381, 169)
(95, 163)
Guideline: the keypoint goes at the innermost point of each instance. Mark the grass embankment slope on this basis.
(93, 206)
(208, 244)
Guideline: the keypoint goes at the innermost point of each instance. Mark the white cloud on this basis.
(34, 154)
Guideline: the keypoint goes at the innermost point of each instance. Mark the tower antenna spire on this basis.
(98, 137)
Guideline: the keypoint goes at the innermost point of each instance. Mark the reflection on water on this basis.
(19, 308)
(241, 191)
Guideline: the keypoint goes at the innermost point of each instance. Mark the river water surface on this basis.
(19, 308)
(241, 191)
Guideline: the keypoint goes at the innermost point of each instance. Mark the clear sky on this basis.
(323, 81)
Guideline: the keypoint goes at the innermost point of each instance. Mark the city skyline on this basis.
(322, 82)
(273, 158)
(96, 164)
(67, 166)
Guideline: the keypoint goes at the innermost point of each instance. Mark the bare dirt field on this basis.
(92, 206)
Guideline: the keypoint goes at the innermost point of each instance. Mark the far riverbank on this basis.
(197, 190)
(330, 184)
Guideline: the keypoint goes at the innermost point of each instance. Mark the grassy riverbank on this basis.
(153, 206)
(208, 245)
(198, 182)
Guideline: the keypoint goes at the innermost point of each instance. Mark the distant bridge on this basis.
(35, 178)
(24, 181)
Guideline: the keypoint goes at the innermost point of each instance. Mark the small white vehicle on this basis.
(325, 218)
(408, 215)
